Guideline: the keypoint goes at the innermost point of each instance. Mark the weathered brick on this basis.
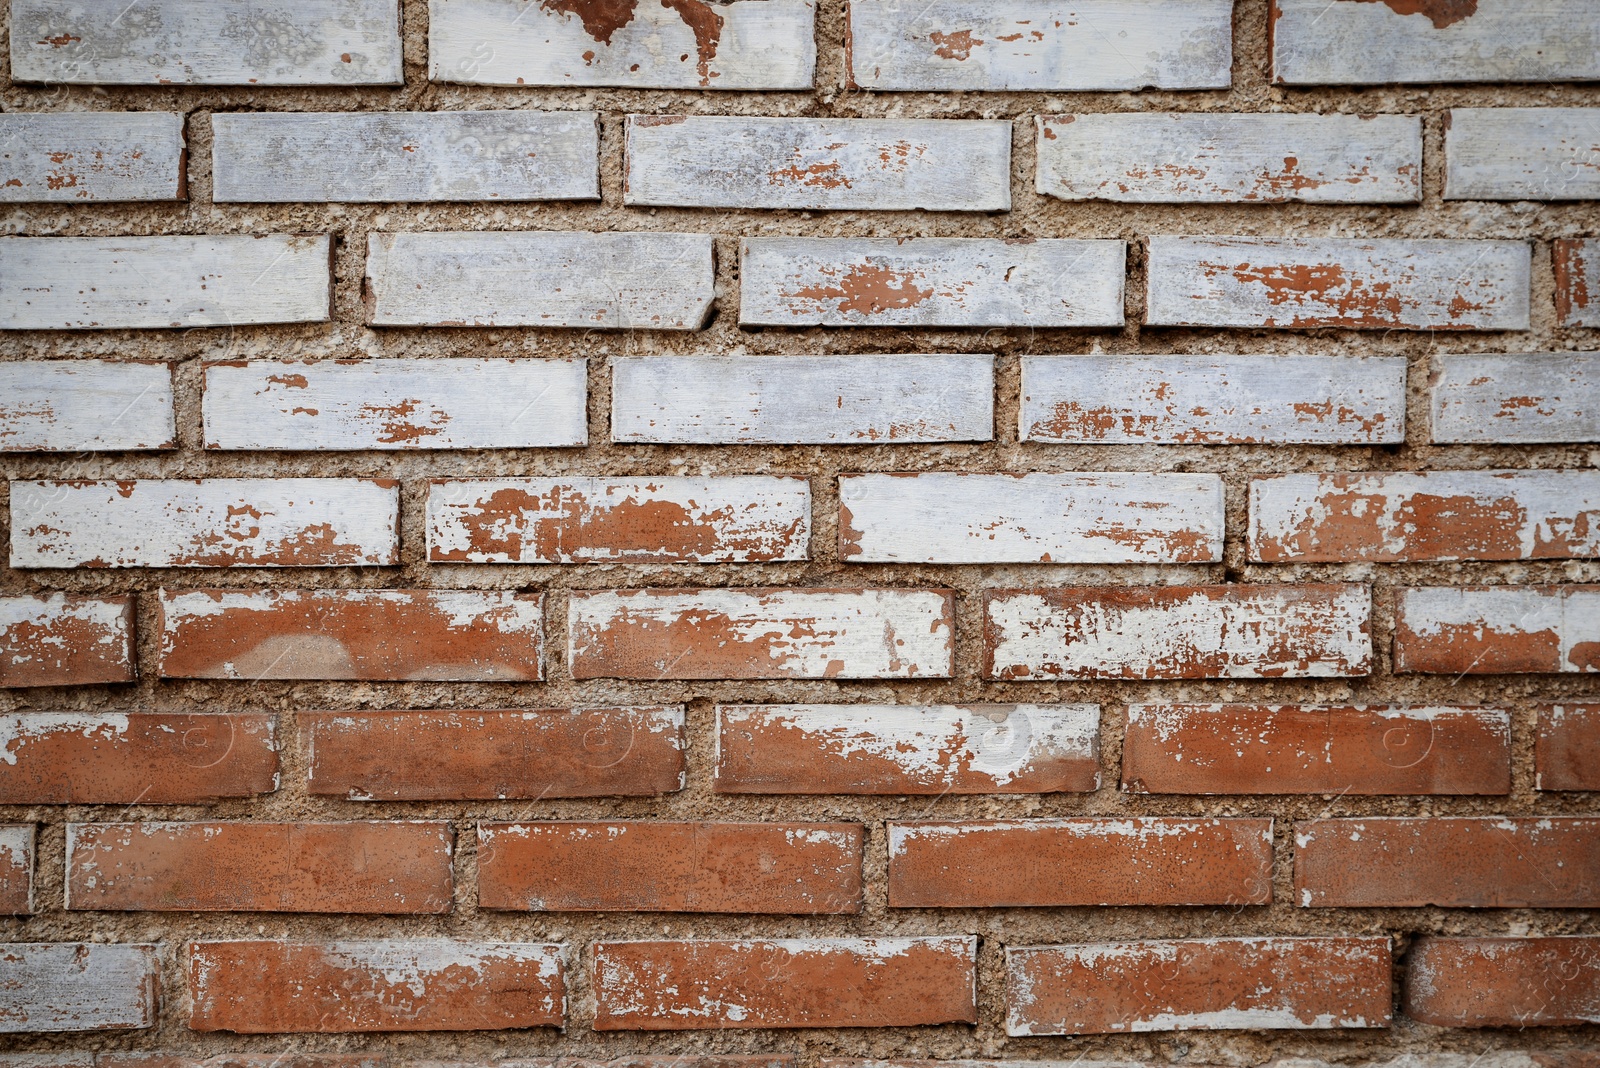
(1516, 400)
(907, 749)
(1143, 861)
(1573, 259)
(1316, 749)
(592, 281)
(16, 869)
(61, 639)
(1493, 630)
(929, 281)
(456, 403)
(1503, 982)
(1521, 153)
(438, 635)
(677, 1060)
(212, 522)
(448, 755)
(1214, 400)
(276, 987)
(1190, 158)
(802, 400)
(1566, 754)
(738, 519)
(801, 982)
(1310, 630)
(658, 866)
(1201, 984)
(1456, 862)
(77, 986)
(761, 634)
(958, 518)
(71, 157)
(86, 406)
(282, 1059)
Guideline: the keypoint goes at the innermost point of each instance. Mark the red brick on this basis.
(647, 866)
(1492, 630)
(279, 1059)
(1576, 303)
(16, 869)
(680, 1060)
(1089, 861)
(1503, 982)
(372, 867)
(60, 639)
(1566, 752)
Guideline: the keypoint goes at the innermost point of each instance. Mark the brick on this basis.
(930, 281)
(77, 986)
(739, 519)
(405, 156)
(71, 157)
(679, 1060)
(340, 405)
(16, 869)
(285, 1059)
(802, 400)
(1316, 749)
(650, 866)
(375, 867)
(1494, 630)
(1315, 42)
(1568, 1058)
(1353, 284)
(1521, 154)
(448, 755)
(277, 987)
(1061, 862)
(1214, 400)
(800, 982)
(1503, 982)
(1425, 515)
(97, 283)
(395, 635)
(730, 161)
(1013, 45)
(1573, 258)
(1310, 630)
(1454, 862)
(212, 522)
(1187, 158)
(907, 749)
(197, 42)
(1199, 984)
(958, 518)
(61, 639)
(86, 406)
(129, 758)
(684, 44)
(1516, 400)
(761, 634)
(608, 281)
(1566, 754)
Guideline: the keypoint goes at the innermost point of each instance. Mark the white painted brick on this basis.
(60, 639)
(406, 156)
(1497, 630)
(825, 164)
(812, 400)
(1007, 45)
(685, 44)
(952, 518)
(595, 281)
(1371, 284)
(1522, 154)
(77, 986)
(16, 864)
(93, 283)
(85, 406)
(1525, 399)
(213, 522)
(810, 281)
(71, 157)
(395, 404)
(1230, 158)
(202, 42)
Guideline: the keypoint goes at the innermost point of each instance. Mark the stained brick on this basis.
(1566, 753)
(1573, 259)
(61, 639)
(1503, 982)
(1492, 630)
(86, 406)
(77, 986)
(283, 1059)
(71, 157)
(1516, 400)
(16, 869)
(1521, 154)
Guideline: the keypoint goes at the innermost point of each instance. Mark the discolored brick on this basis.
(63, 639)
(1566, 754)
(1503, 982)
(1492, 630)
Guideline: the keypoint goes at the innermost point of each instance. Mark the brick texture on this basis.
(1504, 982)
(1566, 751)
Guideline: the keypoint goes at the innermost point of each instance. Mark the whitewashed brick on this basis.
(1220, 159)
(213, 522)
(595, 281)
(16, 864)
(95, 283)
(867, 281)
(1525, 399)
(85, 406)
(1496, 630)
(1575, 260)
(77, 986)
(1522, 154)
(953, 518)
(406, 156)
(74, 156)
(395, 404)
(1214, 400)
(1008, 45)
(682, 44)
(811, 400)
(1358, 284)
(717, 161)
(60, 639)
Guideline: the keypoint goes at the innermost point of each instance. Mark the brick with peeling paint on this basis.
(1503, 982)
(1574, 260)
(1524, 399)
(802, 400)
(930, 281)
(1495, 630)
(62, 639)
(72, 157)
(1522, 154)
(593, 281)
(1214, 400)
(86, 406)
(1355, 284)
(284, 1059)
(679, 1060)
(77, 986)
(1566, 749)
(1179, 158)
(736, 519)
(1011, 45)
(16, 869)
